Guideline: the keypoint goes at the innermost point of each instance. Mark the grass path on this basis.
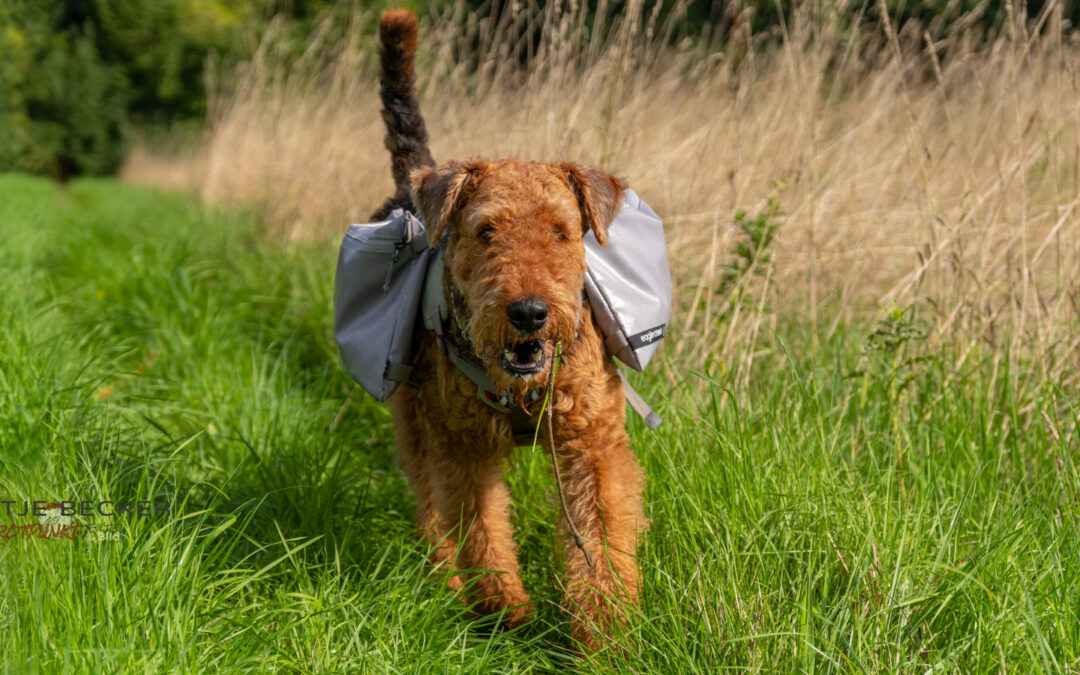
(851, 510)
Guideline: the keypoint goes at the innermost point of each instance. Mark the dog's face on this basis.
(514, 254)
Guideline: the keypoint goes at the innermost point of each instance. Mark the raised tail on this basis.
(406, 135)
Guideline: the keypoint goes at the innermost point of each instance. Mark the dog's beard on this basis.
(518, 361)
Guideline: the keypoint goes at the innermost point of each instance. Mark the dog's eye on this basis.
(560, 232)
(486, 233)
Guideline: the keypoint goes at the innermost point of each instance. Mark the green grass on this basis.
(860, 506)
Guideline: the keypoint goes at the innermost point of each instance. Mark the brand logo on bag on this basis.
(647, 337)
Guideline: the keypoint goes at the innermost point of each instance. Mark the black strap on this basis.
(521, 426)
(397, 372)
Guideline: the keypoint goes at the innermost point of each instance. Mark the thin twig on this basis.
(579, 541)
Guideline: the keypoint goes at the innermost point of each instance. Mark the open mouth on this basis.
(523, 358)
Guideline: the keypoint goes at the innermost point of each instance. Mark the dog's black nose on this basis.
(528, 315)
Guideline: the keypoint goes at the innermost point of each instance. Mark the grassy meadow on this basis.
(860, 505)
(870, 460)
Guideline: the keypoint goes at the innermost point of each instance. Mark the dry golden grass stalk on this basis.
(937, 169)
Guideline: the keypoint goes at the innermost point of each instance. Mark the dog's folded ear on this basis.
(438, 192)
(599, 194)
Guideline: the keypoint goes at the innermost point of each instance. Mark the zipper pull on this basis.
(390, 271)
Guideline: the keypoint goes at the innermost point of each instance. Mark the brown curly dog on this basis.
(511, 236)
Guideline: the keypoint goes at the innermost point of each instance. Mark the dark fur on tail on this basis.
(406, 136)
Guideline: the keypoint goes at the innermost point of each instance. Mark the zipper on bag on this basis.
(393, 263)
(398, 245)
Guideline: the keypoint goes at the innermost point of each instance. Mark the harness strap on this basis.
(485, 388)
(398, 372)
(638, 404)
(521, 426)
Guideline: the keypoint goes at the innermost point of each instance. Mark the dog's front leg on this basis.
(602, 483)
(474, 505)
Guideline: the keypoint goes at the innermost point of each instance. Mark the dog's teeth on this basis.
(537, 355)
(508, 355)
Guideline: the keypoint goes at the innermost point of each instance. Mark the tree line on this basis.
(77, 77)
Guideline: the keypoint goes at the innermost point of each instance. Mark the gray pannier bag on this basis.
(629, 284)
(377, 293)
(379, 289)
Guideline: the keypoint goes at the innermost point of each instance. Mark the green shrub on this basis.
(77, 74)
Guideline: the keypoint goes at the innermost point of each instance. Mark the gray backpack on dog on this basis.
(629, 284)
(377, 292)
(379, 289)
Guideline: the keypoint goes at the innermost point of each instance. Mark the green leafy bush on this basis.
(77, 74)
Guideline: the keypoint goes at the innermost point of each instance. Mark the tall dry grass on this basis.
(929, 167)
